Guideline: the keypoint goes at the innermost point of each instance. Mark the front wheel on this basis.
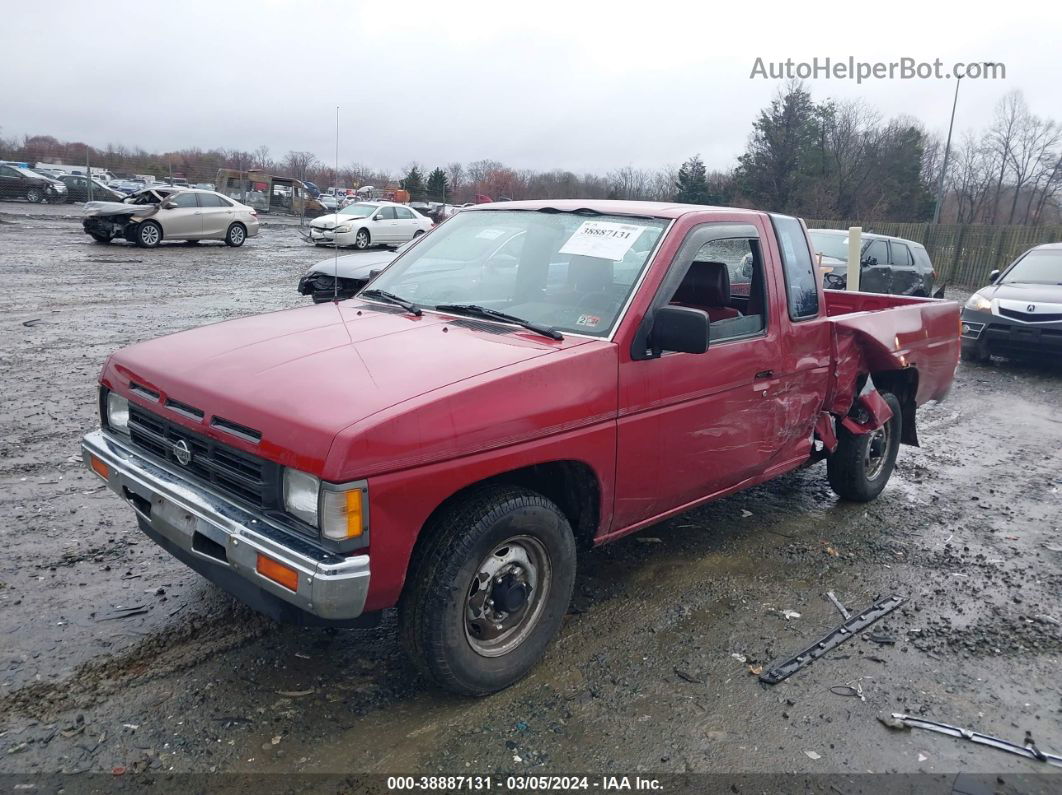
(235, 235)
(100, 238)
(361, 240)
(34, 195)
(861, 465)
(148, 234)
(489, 590)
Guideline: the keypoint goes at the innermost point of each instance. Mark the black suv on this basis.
(887, 264)
(17, 182)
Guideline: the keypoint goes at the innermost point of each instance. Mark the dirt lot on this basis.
(651, 672)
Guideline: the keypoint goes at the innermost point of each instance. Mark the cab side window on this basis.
(726, 281)
(801, 282)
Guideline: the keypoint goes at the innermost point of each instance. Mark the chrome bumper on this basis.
(215, 532)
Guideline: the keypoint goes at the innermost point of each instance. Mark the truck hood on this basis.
(298, 377)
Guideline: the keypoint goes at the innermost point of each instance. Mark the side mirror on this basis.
(869, 261)
(679, 328)
(993, 276)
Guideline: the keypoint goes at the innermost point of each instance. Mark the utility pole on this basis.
(947, 146)
(947, 152)
(88, 175)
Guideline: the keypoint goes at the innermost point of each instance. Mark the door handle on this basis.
(765, 374)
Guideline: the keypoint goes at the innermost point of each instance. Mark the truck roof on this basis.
(613, 207)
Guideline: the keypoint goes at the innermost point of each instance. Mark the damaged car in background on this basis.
(170, 213)
(352, 271)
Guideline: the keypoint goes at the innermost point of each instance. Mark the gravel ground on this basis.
(652, 670)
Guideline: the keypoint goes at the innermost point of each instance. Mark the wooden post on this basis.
(855, 248)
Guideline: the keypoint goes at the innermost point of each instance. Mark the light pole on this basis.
(947, 148)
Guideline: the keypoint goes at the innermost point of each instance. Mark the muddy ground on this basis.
(115, 658)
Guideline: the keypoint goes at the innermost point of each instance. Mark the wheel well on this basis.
(903, 384)
(572, 485)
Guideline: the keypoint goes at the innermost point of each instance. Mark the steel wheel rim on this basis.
(520, 562)
(877, 451)
(150, 235)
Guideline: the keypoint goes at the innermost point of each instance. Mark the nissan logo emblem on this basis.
(1031, 307)
(182, 452)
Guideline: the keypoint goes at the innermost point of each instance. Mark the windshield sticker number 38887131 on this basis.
(602, 239)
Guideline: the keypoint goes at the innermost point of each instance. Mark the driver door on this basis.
(384, 227)
(875, 270)
(185, 220)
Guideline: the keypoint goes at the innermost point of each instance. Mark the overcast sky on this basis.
(576, 85)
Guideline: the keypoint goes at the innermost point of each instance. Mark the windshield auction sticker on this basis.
(603, 239)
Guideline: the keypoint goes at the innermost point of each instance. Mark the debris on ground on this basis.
(1028, 749)
(685, 675)
(840, 607)
(782, 670)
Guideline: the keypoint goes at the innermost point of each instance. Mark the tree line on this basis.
(816, 159)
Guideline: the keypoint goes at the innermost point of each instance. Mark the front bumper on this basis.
(222, 540)
(328, 236)
(1001, 335)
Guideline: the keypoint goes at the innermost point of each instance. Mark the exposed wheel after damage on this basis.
(862, 464)
(148, 234)
(101, 238)
(489, 589)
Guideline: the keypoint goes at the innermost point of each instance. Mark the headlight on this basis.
(300, 495)
(342, 230)
(340, 514)
(979, 303)
(117, 413)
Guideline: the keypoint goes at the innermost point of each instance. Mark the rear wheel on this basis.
(361, 240)
(148, 234)
(861, 465)
(235, 235)
(489, 590)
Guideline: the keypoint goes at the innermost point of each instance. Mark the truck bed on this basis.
(876, 333)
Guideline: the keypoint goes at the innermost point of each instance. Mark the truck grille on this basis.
(246, 477)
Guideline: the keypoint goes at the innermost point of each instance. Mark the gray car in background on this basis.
(889, 265)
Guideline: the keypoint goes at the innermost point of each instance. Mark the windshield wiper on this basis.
(494, 314)
(391, 298)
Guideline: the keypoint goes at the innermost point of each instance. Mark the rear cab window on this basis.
(801, 285)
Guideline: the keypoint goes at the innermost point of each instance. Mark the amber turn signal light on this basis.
(99, 467)
(278, 572)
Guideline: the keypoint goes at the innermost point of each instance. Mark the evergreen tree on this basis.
(438, 186)
(413, 182)
(692, 183)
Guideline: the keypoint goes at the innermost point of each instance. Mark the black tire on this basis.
(34, 195)
(975, 351)
(362, 239)
(235, 235)
(148, 234)
(100, 238)
(441, 631)
(418, 233)
(861, 465)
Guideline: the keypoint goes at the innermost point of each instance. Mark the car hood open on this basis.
(300, 376)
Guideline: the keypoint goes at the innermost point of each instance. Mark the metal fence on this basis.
(962, 254)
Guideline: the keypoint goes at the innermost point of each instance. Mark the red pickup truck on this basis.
(527, 379)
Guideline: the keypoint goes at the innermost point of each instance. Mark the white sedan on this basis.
(367, 224)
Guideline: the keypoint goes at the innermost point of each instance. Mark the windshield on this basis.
(1036, 267)
(27, 173)
(571, 272)
(359, 210)
(835, 246)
